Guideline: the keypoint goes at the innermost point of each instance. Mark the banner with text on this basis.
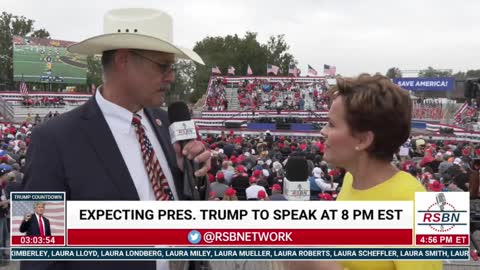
(181, 223)
(242, 253)
(426, 84)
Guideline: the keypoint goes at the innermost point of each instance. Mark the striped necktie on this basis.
(155, 173)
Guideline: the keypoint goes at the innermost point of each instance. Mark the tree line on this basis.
(192, 79)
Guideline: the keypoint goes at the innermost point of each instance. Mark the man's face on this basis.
(149, 76)
(22, 145)
(40, 209)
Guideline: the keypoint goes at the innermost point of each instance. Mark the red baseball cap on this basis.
(230, 192)
(325, 196)
(257, 173)
(276, 187)
(252, 179)
(261, 194)
(435, 186)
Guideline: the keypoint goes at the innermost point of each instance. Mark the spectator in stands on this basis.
(28, 119)
(358, 140)
(228, 172)
(434, 164)
(277, 193)
(38, 120)
(48, 116)
(14, 182)
(219, 186)
(314, 187)
(262, 196)
(444, 165)
(253, 189)
(240, 182)
(263, 179)
(322, 183)
(230, 195)
(16, 173)
(212, 196)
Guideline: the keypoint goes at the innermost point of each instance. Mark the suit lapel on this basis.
(37, 228)
(102, 141)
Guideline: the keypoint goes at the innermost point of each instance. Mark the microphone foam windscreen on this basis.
(296, 169)
(178, 111)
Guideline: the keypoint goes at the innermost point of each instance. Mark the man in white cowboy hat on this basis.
(119, 136)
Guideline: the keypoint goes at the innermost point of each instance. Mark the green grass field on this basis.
(29, 63)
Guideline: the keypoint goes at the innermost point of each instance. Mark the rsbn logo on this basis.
(441, 216)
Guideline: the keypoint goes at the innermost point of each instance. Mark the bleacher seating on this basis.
(429, 109)
(40, 103)
(266, 93)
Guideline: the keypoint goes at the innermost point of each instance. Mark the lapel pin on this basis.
(159, 123)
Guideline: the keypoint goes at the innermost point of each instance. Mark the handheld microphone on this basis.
(182, 130)
(295, 185)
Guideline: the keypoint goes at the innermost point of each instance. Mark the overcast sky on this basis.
(356, 36)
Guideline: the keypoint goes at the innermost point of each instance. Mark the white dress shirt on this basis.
(40, 220)
(119, 120)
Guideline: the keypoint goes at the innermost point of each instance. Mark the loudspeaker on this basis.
(446, 131)
(475, 90)
(233, 124)
(468, 89)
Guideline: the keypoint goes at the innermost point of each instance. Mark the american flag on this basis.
(249, 71)
(216, 70)
(329, 70)
(460, 112)
(272, 69)
(54, 211)
(23, 88)
(311, 71)
(292, 69)
(231, 70)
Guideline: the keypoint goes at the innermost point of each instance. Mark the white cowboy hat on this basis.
(135, 28)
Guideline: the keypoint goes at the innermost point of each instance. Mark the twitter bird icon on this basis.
(194, 237)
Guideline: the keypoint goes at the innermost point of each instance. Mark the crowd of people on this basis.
(216, 96)
(14, 141)
(253, 167)
(43, 102)
(244, 164)
(266, 95)
(427, 109)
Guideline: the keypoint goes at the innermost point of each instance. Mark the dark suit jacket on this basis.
(32, 228)
(77, 153)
